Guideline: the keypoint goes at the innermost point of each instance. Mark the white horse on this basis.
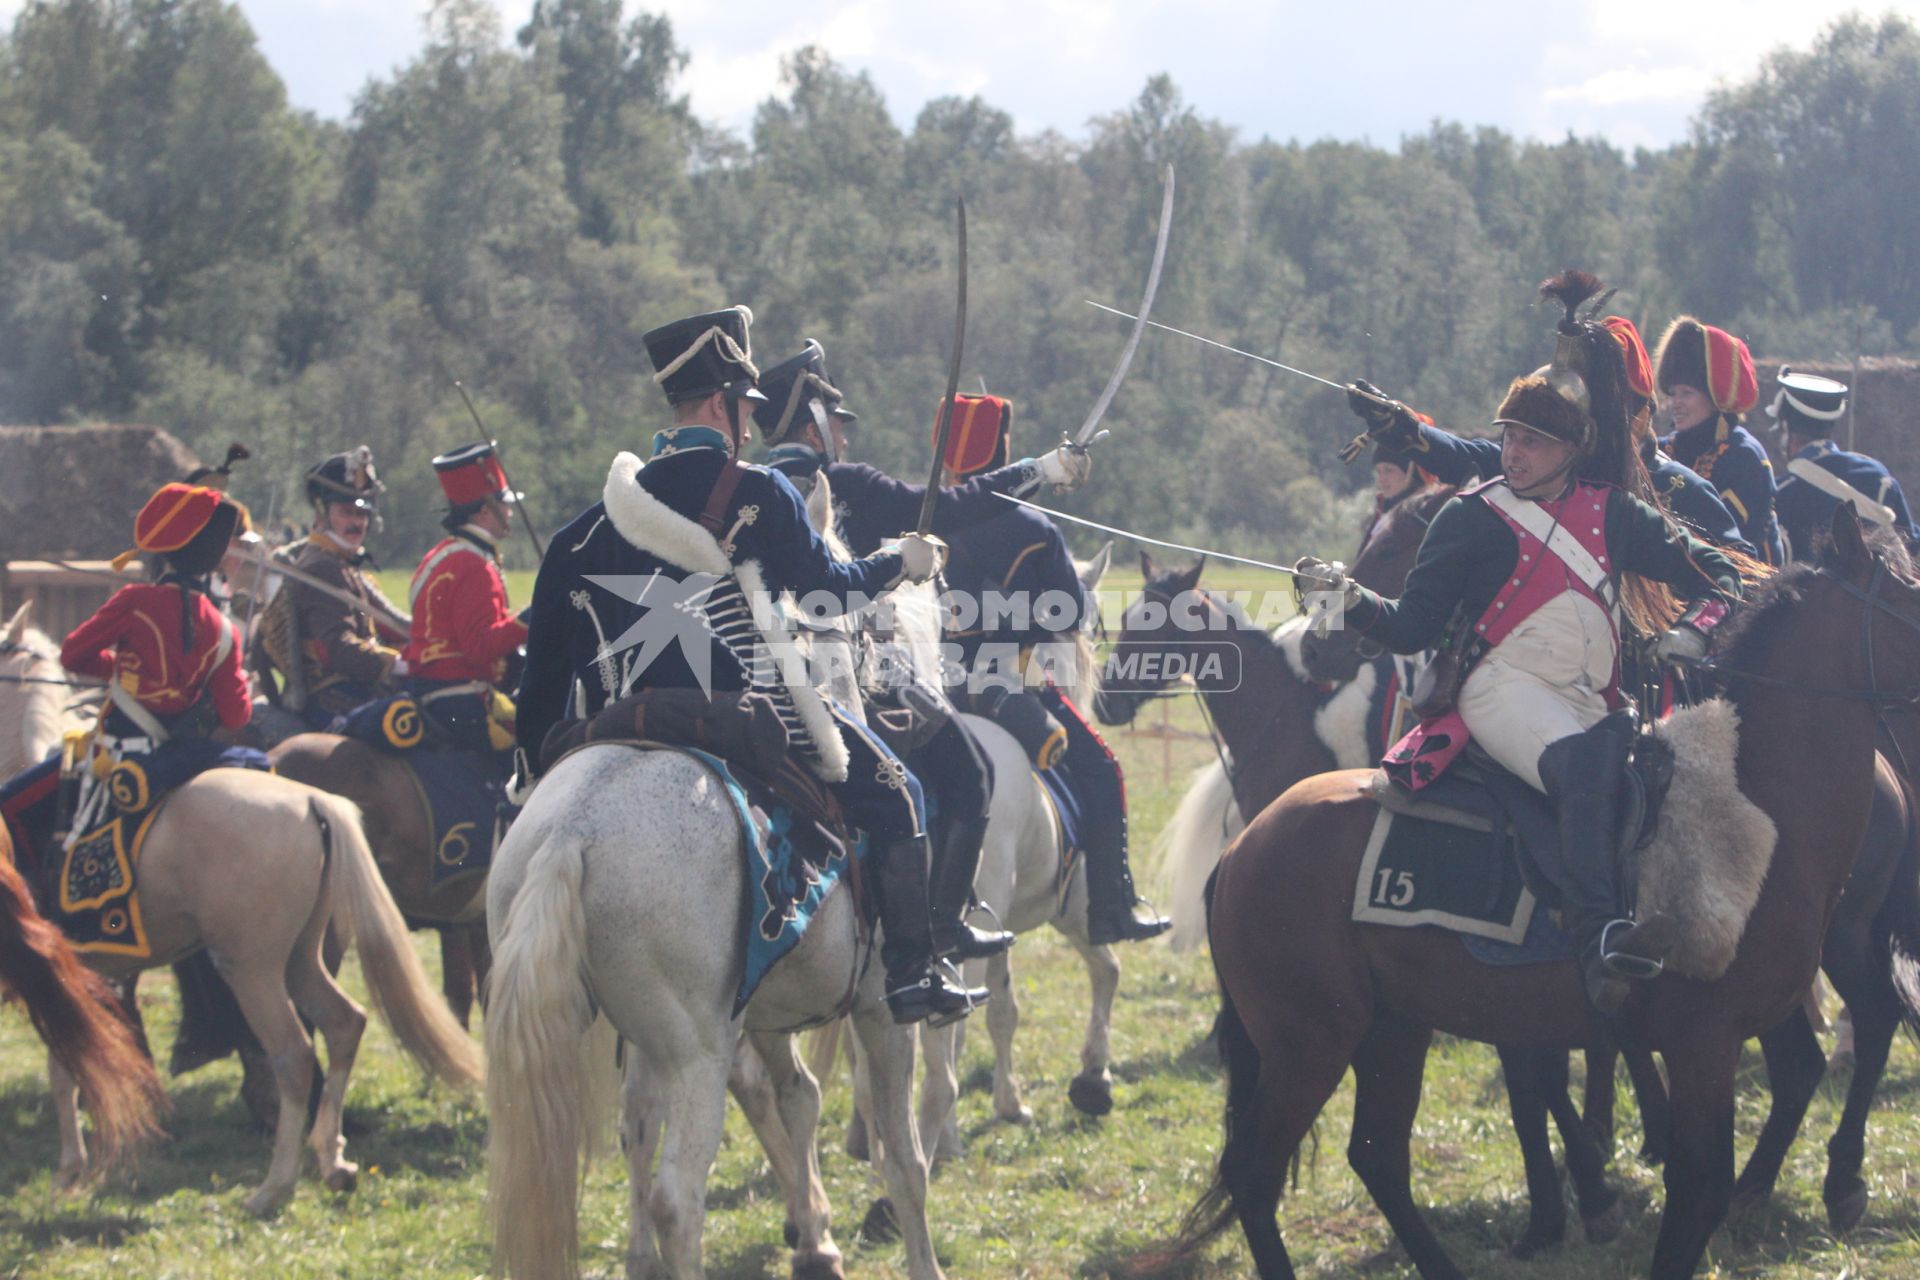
(37, 691)
(613, 904)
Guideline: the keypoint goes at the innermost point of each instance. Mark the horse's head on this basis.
(1382, 565)
(1150, 628)
(32, 696)
(1875, 619)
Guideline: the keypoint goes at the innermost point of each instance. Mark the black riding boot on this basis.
(211, 1024)
(956, 859)
(1111, 902)
(917, 985)
(1583, 775)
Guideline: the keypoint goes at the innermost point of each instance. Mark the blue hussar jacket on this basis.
(1457, 460)
(1018, 554)
(1805, 506)
(574, 621)
(1726, 454)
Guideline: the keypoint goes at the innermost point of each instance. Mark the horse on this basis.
(642, 954)
(1305, 993)
(78, 1017)
(35, 693)
(251, 866)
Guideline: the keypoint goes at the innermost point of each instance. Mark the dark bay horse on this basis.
(1306, 993)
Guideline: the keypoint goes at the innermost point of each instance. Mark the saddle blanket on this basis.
(1421, 872)
(91, 889)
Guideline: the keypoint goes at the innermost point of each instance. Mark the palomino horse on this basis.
(77, 1014)
(1306, 993)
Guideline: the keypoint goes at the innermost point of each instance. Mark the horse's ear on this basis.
(1148, 569)
(1189, 578)
(17, 625)
(1096, 568)
(1850, 554)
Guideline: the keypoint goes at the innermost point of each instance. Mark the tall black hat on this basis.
(1808, 404)
(697, 356)
(792, 389)
(346, 477)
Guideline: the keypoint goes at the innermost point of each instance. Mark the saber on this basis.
(1141, 537)
(944, 424)
(1337, 386)
(526, 520)
(1084, 436)
(396, 622)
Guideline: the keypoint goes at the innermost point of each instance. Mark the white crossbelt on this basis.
(1834, 487)
(1534, 518)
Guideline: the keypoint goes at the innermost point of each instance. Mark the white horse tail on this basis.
(542, 1068)
(1189, 847)
(365, 912)
(822, 1050)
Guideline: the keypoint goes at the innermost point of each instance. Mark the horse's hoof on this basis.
(1091, 1095)
(1605, 1224)
(881, 1225)
(264, 1203)
(70, 1179)
(1023, 1114)
(790, 1232)
(1844, 1212)
(1538, 1240)
(344, 1178)
(818, 1266)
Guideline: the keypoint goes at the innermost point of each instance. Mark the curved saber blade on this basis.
(945, 424)
(1141, 537)
(1085, 433)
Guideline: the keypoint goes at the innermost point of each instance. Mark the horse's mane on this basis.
(1750, 632)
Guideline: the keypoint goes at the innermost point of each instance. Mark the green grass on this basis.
(1062, 1198)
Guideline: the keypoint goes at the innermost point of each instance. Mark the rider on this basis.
(1820, 476)
(696, 516)
(463, 632)
(1531, 562)
(803, 422)
(338, 657)
(1396, 477)
(1012, 573)
(1706, 377)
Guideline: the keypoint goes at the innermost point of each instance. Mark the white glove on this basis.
(1065, 468)
(520, 785)
(921, 556)
(399, 670)
(1680, 644)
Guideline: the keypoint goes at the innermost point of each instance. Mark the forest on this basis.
(513, 209)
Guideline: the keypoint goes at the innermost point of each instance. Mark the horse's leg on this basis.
(342, 1022)
(751, 1084)
(260, 988)
(1596, 1102)
(1795, 1064)
(457, 977)
(1586, 1159)
(815, 1256)
(1650, 1095)
(939, 1084)
(694, 1103)
(1387, 1072)
(482, 954)
(1876, 1017)
(1527, 1079)
(72, 1168)
(1092, 1090)
(639, 1139)
(1699, 1174)
(1003, 1019)
(889, 1068)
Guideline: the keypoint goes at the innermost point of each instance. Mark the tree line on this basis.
(180, 247)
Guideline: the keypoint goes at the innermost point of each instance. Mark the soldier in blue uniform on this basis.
(803, 421)
(1706, 377)
(1820, 476)
(721, 536)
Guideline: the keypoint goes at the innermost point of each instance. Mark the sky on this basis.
(1633, 71)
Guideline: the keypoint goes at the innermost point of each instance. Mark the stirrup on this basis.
(1625, 963)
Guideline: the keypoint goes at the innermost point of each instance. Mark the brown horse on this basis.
(78, 1016)
(1306, 993)
(396, 823)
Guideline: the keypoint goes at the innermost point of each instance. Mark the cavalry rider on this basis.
(1821, 476)
(1706, 378)
(1396, 477)
(1532, 563)
(1457, 460)
(463, 632)
(695, 510)
(340, 656)
(1008, 573)
(803, 422)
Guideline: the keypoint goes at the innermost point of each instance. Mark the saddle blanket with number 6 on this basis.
(1417, 871)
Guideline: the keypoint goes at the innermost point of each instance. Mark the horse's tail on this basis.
(1901, 914)
(538, 1015)
(1189, 848)
(364, 910)
(1241, 1158)
(823, 1049)
(76, 1014)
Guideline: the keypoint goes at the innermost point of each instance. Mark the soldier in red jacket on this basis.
(463, 632)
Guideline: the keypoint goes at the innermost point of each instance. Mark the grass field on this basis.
(1065, 1197)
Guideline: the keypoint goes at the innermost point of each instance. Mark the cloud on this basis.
(1632, 85)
